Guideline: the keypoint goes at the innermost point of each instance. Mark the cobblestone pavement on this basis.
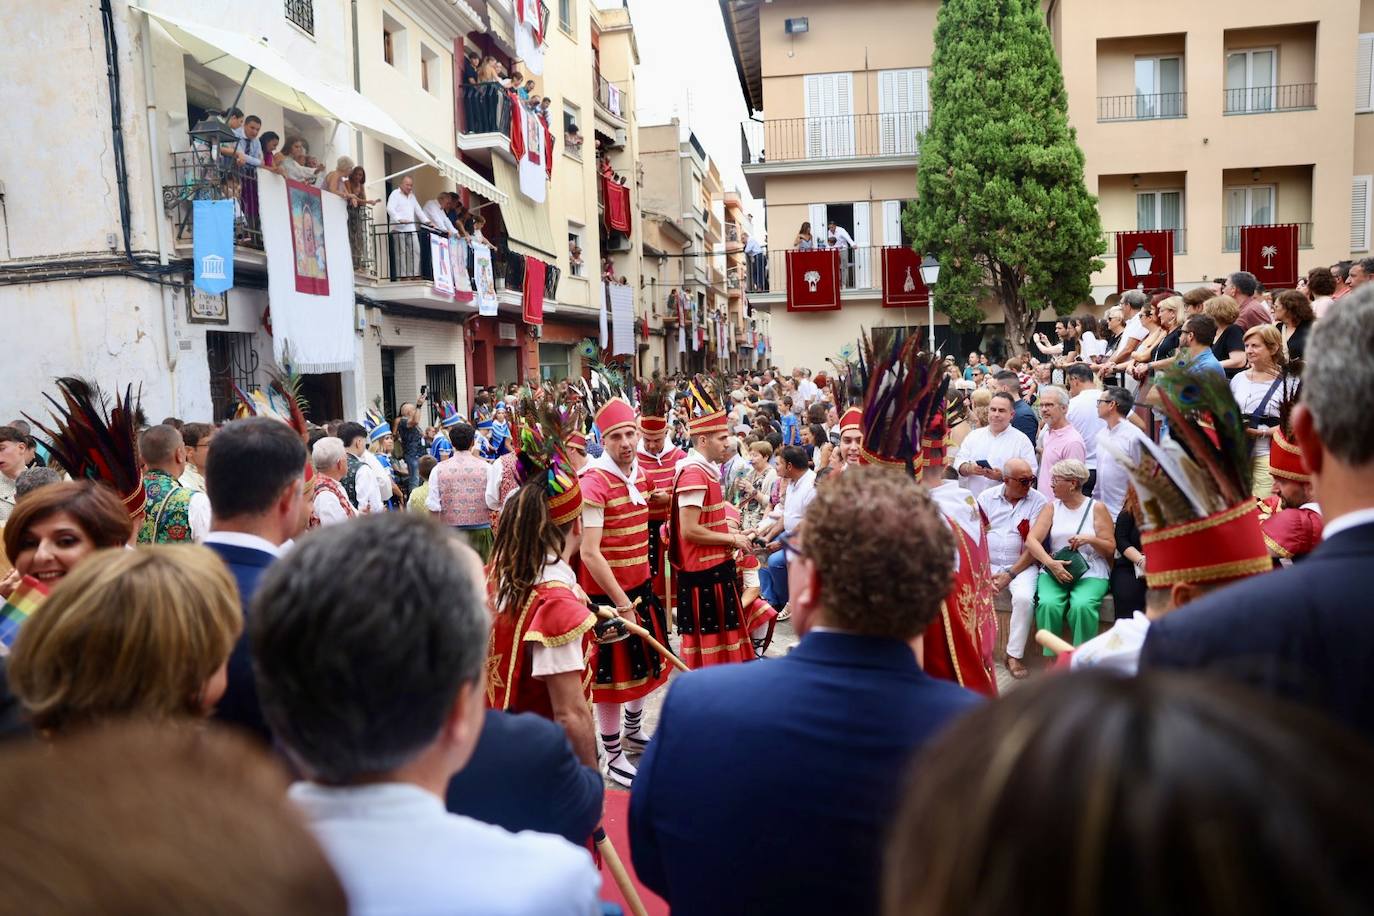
(784, 638)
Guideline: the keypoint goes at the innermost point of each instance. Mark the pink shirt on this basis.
(1059, 444)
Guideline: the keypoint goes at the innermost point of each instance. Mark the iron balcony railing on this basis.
(612, 103)
(201, 174)
(1109, 240)
(404, 257)
(1142, 106)
(486, 109)
(1266, 99)
(861, 136)
(302, 13)
(861, 268)
(1231, 236)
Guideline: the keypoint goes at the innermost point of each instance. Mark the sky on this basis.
(686, 70)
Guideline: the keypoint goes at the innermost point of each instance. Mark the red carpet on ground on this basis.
(616, 821)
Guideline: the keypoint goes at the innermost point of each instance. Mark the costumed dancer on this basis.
(442, 446)
(757, 612)
(615, 571)
(659, 459)
(847, 390)
(906, 426)
(714, 627)
(1290, 519)
(495, 432)
(1200, 525)
(90, 440)
(378, 455)
(541, 641)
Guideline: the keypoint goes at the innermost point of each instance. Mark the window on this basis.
(829, 117)
(894, 229)
(576, 255)
(302, 14)
(1359, 212)
(565, 15)
(1158, 87)
(429, 69)
(1364, 71)
(1250, 79)
(1161, 210)
(1249, 206)
(393, 42)
(572, 133)
(903, 110)
(554, 360)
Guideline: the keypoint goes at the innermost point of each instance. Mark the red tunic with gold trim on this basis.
(628, 669)
(1290, 534)
(554, 615)
(713, 626)
(959, 643)
(659, 471)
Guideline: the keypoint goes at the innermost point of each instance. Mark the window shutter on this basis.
(887, 105)
(1364, 68)
(815, 109)
(843, 94)
(816, 216)
(892, 222)
(1359, 213)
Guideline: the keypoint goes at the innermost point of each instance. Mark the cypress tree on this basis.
(1000, 194)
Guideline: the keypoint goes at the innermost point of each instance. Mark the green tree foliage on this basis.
(1000, 193)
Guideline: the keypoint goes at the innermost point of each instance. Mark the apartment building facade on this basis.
(1207, 119)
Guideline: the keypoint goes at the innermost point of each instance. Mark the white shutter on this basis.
(892, 222)
(1364, 69)
(815, 109)
(816, 214)
(862, 239)
(843, 122)
(1359, 212)
(887, 104)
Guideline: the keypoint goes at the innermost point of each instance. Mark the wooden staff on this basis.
(1054, 643)
(609, 613)
(618, 872)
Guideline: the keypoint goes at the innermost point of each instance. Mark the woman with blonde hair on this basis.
(142, 634)
(1259, 391)
(1229, 345)
(980, 400)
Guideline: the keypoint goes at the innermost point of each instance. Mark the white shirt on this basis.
(842, 238)
(304, 173)
(996, 449)
(1132, 335)
(1117, 650)
(807, 391)
(1251, 394)
(405, 209)
(752, 246)
(245, 540)
(367, 486)
(547, 661)
(1005, 543)
(438, 217)
(800, 493)
(1112, 479)
(492, 495)
(1092, 345)
(328, 509)
(1083, 416)
(397, 851)
(198, 514)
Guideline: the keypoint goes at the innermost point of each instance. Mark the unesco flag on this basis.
(213, 232)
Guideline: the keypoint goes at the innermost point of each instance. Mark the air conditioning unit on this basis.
(536, 331)
(618, 242)
(622, 137)
(506, 331)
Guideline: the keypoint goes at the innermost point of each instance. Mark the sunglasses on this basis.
(1024, 481)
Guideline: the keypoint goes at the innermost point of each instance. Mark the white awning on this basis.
(464, 176)
(233, 53)
(528, 231)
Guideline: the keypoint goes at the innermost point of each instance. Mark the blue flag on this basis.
(213, 232)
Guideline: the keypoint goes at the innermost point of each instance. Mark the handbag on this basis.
(1073, 561)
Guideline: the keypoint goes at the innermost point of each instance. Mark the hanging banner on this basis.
(902, 284)
(484, 280)
(617, 204)
(605, 300)
(306, 209)
(1159, 244)
(442, 260)
(533, 298)
(613, 97)
(529, 37)
(1271, 254)
(813, 280)
(534, 178)
(623, 318)
(213, 233)
(458, 257)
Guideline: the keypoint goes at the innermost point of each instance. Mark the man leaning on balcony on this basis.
(409, 251)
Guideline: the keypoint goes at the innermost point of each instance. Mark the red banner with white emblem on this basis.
(902, 284)
(1159, 245)
(1271, 254)
(813, 280)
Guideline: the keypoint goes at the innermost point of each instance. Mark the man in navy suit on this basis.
(523, 775)
(1306, 632)
(769, 786)
(254, 476)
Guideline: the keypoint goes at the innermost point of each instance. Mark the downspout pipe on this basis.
(158, 219)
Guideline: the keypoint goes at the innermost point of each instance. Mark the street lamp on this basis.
(930, 274)
(1139, 263)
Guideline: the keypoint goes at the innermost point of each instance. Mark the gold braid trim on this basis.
(1211, 521)
(553, 642)
(1197, 574)
(949, 639)
(1277, 549)
(693, 650)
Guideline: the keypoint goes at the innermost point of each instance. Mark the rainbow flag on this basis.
(23, 601)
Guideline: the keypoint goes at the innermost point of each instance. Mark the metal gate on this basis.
(233, 361)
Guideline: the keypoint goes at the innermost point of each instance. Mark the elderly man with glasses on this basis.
(1011, 509)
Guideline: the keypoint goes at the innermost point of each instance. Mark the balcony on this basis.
(1231, 236)
(1109, 240)
(860, 136)
(199, 174)
(486, 119)
(860, 272)
(400, 264)
(1142, 107)
(1269, 99)
(610, 97)
(301, 13)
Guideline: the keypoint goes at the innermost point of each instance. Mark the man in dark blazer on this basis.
(523, 775)
(1306, 632)
(769, 786)
(254, 477)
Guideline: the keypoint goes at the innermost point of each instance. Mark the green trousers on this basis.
(1081, 601)
(480, 540)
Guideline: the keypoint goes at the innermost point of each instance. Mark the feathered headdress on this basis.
(95, 441)
(608, 393)
(706, 404)
(1194, 487)
(653, 405)
(545, 429)
(375, 422)
(282, 400)
(904, 404)
(451, 416)
(847, 391)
